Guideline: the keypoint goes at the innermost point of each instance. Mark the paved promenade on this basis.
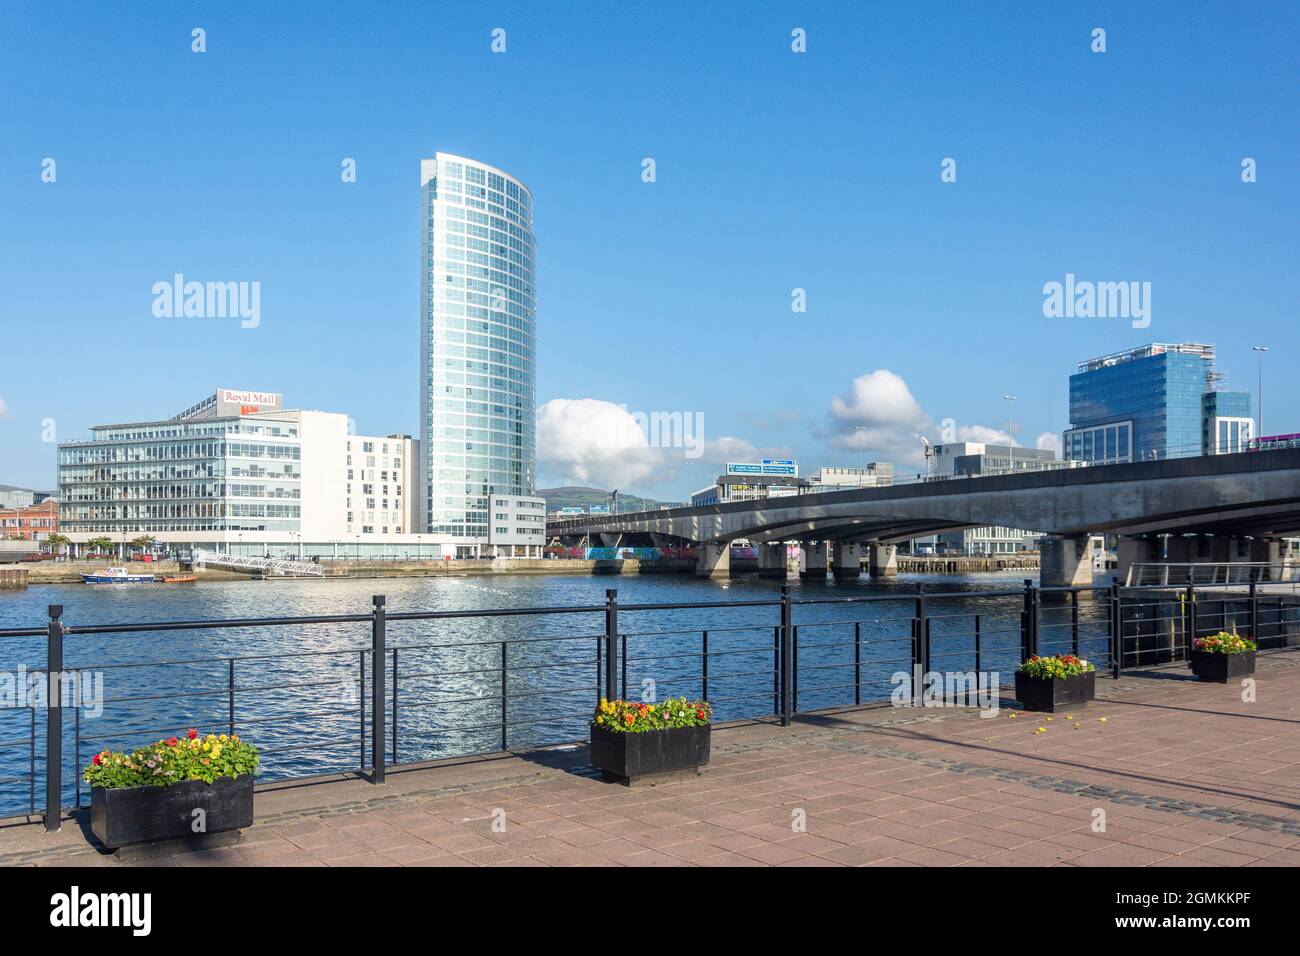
(1186, 774)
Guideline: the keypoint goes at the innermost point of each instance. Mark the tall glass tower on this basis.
(478, 311)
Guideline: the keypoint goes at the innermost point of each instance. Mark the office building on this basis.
(29, 522)
(874, 474)
(965, 459)
(239, 472)
(478, 309)
(1150, 403)
(975, 459)
(1226, 423)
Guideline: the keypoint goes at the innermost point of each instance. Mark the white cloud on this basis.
(879, 417)
(588, 441)
(983, 433)
(879, 414)
(1049, 441)
(4, 409)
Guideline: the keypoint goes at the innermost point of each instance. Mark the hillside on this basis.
(576, 497)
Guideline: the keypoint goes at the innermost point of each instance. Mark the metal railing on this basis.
(1206, 573)
(266, 564)
(503, 682)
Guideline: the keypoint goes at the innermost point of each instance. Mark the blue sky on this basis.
(775, 171)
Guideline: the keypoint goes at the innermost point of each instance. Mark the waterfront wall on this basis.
(12, 578)
(936, 564)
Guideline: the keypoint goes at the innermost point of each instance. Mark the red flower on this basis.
(700, 714)
(96, 760)
(172, 741)
(192, 734)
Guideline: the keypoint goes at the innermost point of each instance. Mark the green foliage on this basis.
(1224, 643)
(1054, 668)
(625, 716)
(174, 760)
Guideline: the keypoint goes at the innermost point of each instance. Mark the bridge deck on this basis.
(1187, 773)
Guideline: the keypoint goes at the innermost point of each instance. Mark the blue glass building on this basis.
(1149, 403)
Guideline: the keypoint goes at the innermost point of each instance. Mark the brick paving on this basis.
(1187, 774)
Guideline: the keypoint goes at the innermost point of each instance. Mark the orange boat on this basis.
(180, 579)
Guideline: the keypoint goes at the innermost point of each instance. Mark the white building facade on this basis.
(238, 472)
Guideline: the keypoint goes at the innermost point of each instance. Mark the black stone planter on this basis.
(644, 757)
(1221, 668)
(1048, 694)
(129, 815)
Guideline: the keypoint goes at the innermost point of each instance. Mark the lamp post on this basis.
(1259, 425)
(1011, 448)
(861, 441)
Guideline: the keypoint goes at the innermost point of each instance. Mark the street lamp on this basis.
(1011, 448)
(1261, 349)
(861, 441)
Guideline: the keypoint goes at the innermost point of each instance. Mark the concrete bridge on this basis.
(1211, 508)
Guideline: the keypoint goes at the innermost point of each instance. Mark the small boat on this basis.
(180, 579)
(116, 576)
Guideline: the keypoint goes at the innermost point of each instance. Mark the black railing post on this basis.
(54, 720)
(704, 666)
(611, 643)
(230, 686)
(787, 658)
(1116, 630)
(378, 712)
(978, 663)
(394, 707)
(857, 663)
(505, 698)
(918, 647)
(1254, 608)
(1189, 611)
(1074, 623)
(1029, 623)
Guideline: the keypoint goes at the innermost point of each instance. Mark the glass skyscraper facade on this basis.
(478, 311)
(1143, 404)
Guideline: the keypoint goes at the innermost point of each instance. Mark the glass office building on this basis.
(478, 310)
(1138, 405)
(1226, 423)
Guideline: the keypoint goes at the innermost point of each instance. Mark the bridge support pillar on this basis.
(882, 560)
(713, 559)
(771, 560)
(1130, 551)
(1179, 550)
(814, 559)
(1268, 551)
(1065, 562)
(610, 540)
(848, 559)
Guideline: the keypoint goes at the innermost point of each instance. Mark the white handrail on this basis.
(266, 564)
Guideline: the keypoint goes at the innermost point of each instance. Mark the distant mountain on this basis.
(575, 497)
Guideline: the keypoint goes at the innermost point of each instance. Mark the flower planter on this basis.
(122, 816)
(1221, 668)
(642, 757)
(1052, 694)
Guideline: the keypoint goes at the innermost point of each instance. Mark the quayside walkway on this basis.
(1187, 774)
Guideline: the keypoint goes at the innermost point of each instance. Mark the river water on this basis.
(298, 687)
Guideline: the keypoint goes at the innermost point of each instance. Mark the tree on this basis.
(143, 543)
(101, 544)
(57, 542)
